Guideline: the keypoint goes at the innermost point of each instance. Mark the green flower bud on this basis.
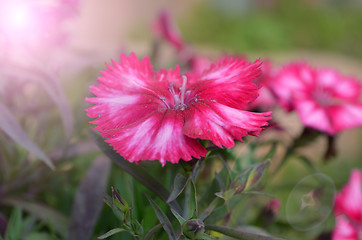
(193, 229)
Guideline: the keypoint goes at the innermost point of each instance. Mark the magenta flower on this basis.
(149, 115)
(266, 99)
(324, 99)
(168, 30)
(348, 209)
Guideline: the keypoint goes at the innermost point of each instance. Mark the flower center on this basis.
(323, 96)
(180, 98)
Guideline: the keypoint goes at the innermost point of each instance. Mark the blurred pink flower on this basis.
(266, 99)
(149, 115)
(348, 209)
(33, 25)
(324, 99)
(168, 30)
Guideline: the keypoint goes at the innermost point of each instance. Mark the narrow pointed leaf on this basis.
(180, 219)
(167, 226)
(51, 85)
(89, 200)
(210, 209)
(178, 186)
(112, 232)
(153, 231)
(13, 230)
(136, 171)
(56, 93)
(249, 177)
(190, 204)
(10, 125)
(48, 215)
(237, 234)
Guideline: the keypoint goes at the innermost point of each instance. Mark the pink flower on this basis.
(348, 209)
(168, 30)
(266, 99)
(324, 99)
(149, 115)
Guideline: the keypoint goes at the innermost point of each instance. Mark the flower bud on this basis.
(193, 228)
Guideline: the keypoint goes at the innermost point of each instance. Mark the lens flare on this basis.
(310, 202)
(16, 19)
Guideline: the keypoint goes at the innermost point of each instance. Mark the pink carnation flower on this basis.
(266, 99)
(348, 209)
(324, 99)
(168, 30)
(150, 115)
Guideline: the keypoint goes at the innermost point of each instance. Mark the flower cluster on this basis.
(348, 209)
(150, 115)
(324, 99)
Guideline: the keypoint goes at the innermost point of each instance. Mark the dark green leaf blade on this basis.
(54, 218)
(178, 186)
(136, 171)
(111, 232)
(89, 200)
(153, 231)
(167, 226)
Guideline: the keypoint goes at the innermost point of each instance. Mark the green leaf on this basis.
(13, 230)
(136, 171)
(210, 209)
(180, 219)
(38, 236)
(167, 226)
(207, 237)
(111, 232)
(153, 231)
(178, 186)
(248, 178)
(237, 234)
(10, 125)
(52, 217)
(190, 203)
(89, 200)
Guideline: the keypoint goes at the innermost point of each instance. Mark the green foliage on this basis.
(286, 25)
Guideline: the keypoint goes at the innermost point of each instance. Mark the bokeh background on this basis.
(321, 32)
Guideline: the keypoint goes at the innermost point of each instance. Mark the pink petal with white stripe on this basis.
(158, 137)
(221, 124)
(228, 82)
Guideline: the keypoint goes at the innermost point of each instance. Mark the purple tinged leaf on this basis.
(3, 224)
(179, 185)
(51, 85)
(153, 231)
(112, 232)
(248, 178)
(210, 209)
(167, 226)
(89, 200)
(10, 125)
